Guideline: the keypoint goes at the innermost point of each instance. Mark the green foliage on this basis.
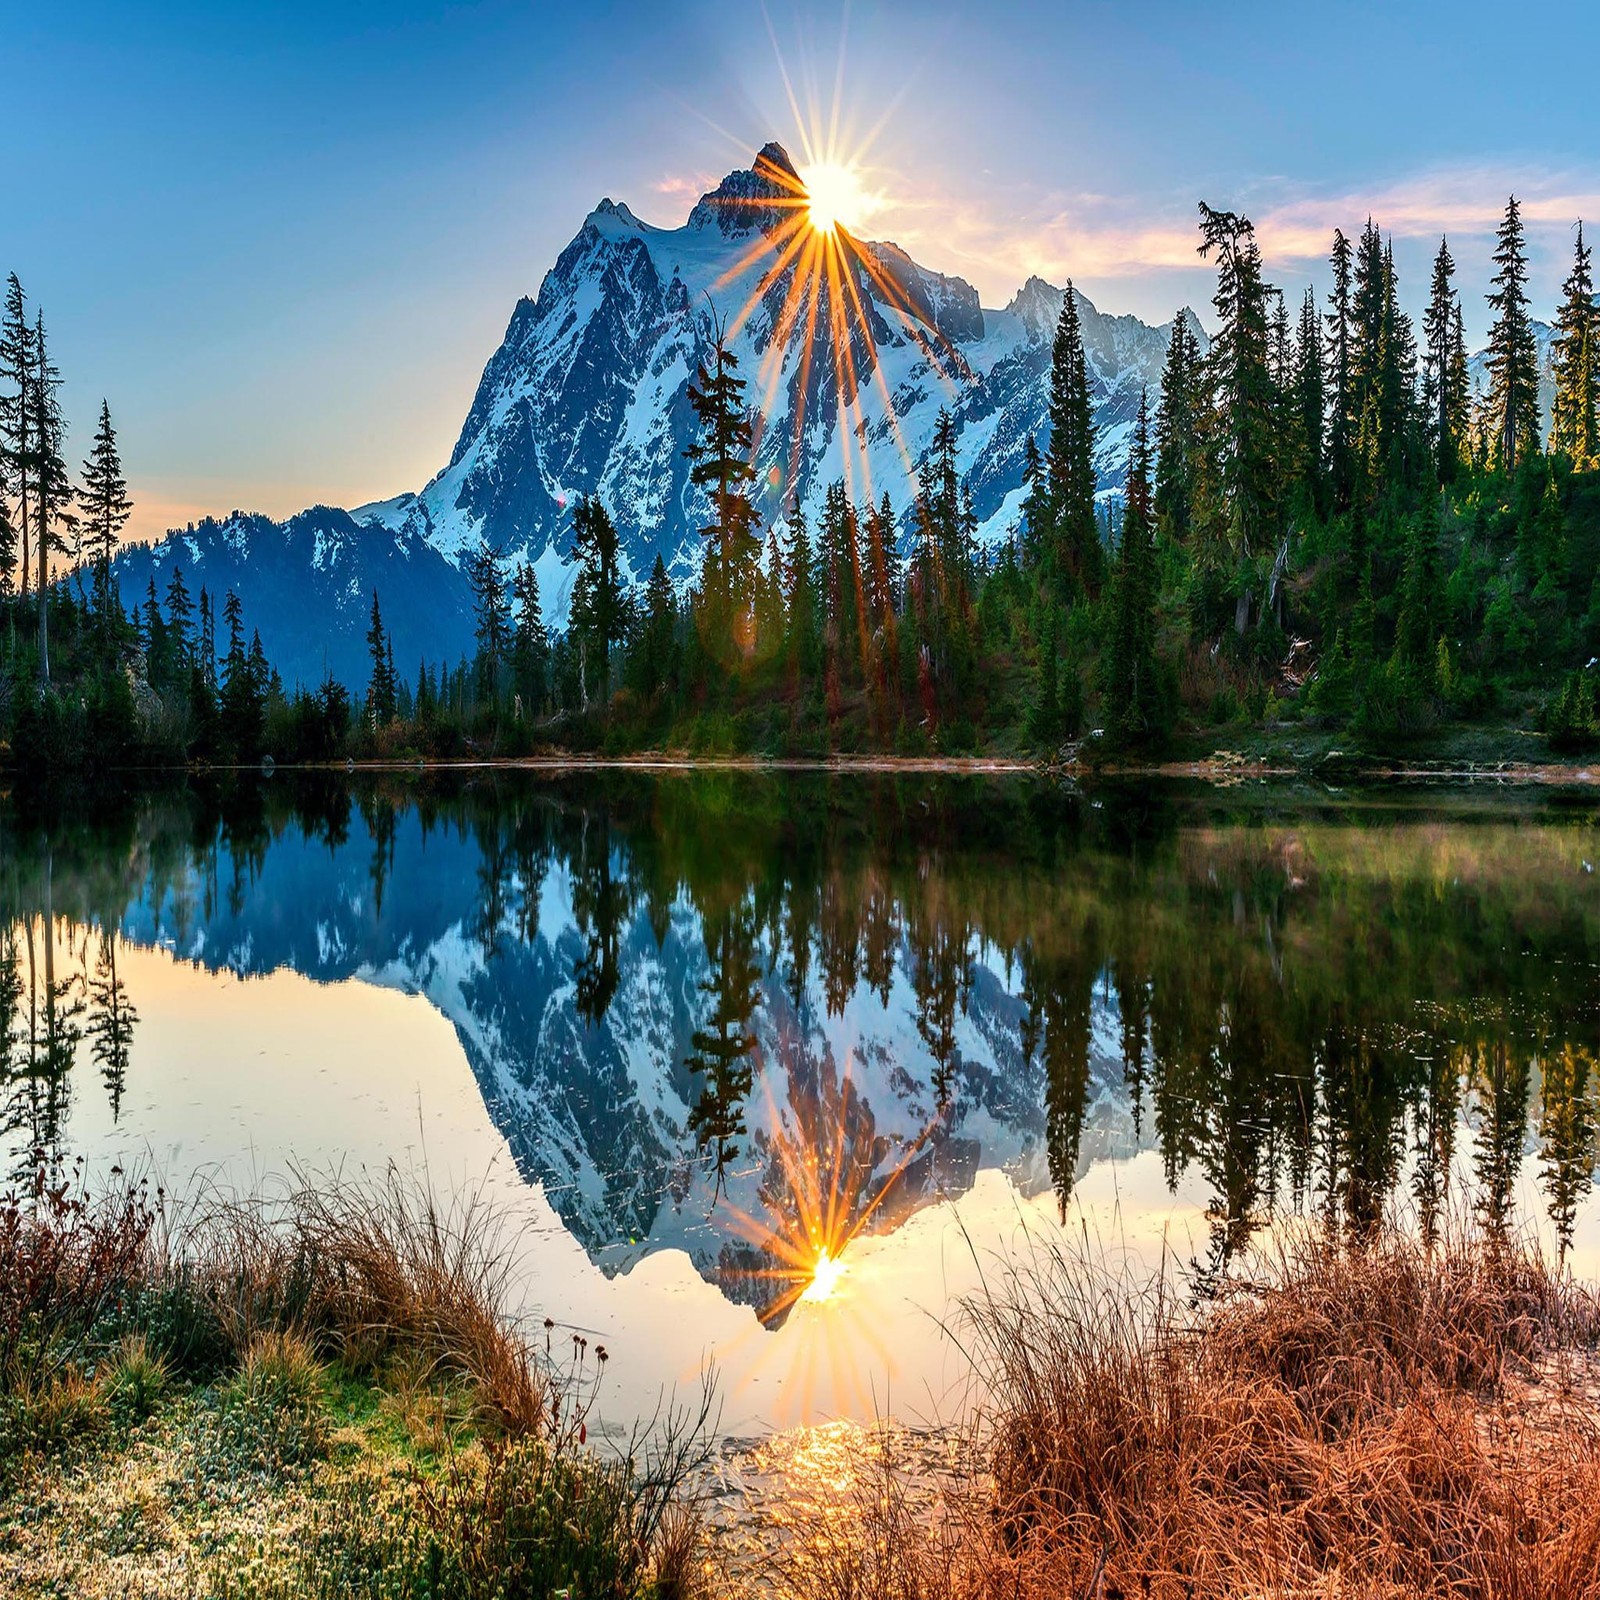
(1321, 529)
(1572, 717)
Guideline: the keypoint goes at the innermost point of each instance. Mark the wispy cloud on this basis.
(999, 239)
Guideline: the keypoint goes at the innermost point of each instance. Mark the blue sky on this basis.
(282, 240)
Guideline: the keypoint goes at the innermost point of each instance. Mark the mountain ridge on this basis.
(587, 393)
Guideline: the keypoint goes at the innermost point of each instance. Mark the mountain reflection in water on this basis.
(754, 1017)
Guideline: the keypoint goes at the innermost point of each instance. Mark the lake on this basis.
(768, 1071)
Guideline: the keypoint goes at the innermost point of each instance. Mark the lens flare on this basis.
(835, 197)
(825, 1276)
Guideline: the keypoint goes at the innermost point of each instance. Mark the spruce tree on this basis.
(208, 641)
(491, 619)
(180, 618)
(660, 628)
(1309, 402)
(1069, 458)
(1341, 423)
(380, 680)
(106, 509)
(1243, 501)
(801, 595)
(1444, 369)
(1177, 432)
(1044, 722)
(1131, 687)
(883, 570)
(599, 600)
(16, 419)
(1513, 350)
(1575, 356)
(531, 649)
(8, 546)
(722, 468)
(53, 519)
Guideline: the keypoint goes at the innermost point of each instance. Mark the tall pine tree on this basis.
(106, 509)
(1444, 369)
(1575, 356)
(722, 468)
(1178, 431)
(1069, 458)
(599, 600)
(1513, 350)
(1131, 687)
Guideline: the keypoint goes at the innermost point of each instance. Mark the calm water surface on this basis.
(770, 1071)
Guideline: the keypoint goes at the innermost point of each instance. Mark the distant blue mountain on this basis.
(307, 586)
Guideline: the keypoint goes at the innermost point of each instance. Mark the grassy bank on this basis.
(325, 1397)
(321, 1396)
(1382, 1420)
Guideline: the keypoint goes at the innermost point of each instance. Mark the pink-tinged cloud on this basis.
(1097, 237)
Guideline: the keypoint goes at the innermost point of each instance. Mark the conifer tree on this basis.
(1035, 501)
(106, 509)
(1045, 719)
(1444, 369)
(1575, 356)
(491, 618)
(1242, 505)
(53, 519)
(1069, 459)
(599, 601)
(180, 619)
(660, 628)
(531, 648)
(801, 595)
(208, 641)
(1513, 351)
(1131, 686)
(8, 545)
(1178, 432)
(883, 571)
(1309, 402)
(380, 680)
(723, 469)
(1341, 422)
(16, 419)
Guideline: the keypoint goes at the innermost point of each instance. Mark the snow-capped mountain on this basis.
(588, 394)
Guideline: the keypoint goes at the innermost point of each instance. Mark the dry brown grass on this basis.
(1357, 1421)
(378, 1274)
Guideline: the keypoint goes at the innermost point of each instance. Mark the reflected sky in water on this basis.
(766, 1070)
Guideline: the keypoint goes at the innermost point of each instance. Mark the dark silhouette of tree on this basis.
(720, 1050)
(106, 508)
(112, 1019)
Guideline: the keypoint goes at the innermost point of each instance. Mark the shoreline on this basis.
(1333, 771)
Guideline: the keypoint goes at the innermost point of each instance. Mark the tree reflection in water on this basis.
(804, 1006)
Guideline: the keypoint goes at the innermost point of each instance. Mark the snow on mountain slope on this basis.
(307, 586)
(588, 394)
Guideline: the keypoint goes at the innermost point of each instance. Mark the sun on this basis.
(835, 197)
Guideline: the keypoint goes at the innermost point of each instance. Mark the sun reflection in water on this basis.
(825, 1276)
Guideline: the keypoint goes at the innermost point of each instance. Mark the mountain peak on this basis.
(757, 197)
(773, 158)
